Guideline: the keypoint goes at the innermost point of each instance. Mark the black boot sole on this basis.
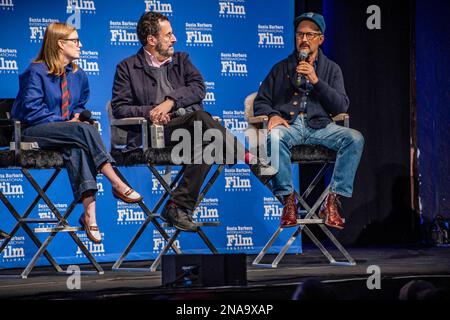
(184, 229)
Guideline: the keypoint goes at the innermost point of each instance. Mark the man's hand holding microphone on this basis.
(306, 68)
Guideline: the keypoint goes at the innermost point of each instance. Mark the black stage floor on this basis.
(398, 266)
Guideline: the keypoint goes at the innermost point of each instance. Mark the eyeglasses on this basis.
(75, 40)
(309, 35)
(169, 36)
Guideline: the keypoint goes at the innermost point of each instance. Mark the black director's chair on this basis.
(24, 156)
(302, 155)
(152, 158)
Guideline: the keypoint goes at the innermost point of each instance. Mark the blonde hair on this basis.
(50, 52)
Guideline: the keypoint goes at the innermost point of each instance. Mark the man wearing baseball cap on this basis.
(300, 95)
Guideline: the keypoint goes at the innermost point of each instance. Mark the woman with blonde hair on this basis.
(53, 92)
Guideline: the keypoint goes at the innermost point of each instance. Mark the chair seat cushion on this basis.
(132, 158)
(6, 158)
(159, 156)
(299, 154)
(137, 157)
(312, 154)
(32, 159)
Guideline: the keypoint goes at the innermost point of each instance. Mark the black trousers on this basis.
(187, 191)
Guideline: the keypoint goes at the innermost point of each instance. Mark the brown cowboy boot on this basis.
(330, 211)
(289, 216)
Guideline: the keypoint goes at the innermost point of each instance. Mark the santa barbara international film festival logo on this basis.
(88, 61)
(168, 176)
(272, 208)
(207, 210)
(233, 64)
(37, 28)
(96, 249)
(129, 213)
(210, 96)
(84, 6)
(234, 120)
(164, 7)
(44, 212)
(239, 238)
(123, 33)
(6, 4)
(15, 250)
(199, 34)
(8, 61)
(270, 36)
(11, 185)
(232, 9)
(237, 179)
(159, 242)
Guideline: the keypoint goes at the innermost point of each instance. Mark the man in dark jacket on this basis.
(300, 95)
(154, 84)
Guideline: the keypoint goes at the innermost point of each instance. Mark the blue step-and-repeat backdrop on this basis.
(234, 43)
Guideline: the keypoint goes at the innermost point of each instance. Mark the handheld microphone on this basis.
(178, 113)
(86, 116)
(302, 56)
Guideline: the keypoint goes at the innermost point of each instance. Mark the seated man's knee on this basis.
(201, 115)
(278, 141)
(356, 138)
(278, 134)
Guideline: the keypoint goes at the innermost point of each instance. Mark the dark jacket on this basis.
(134, 94)
(279, 94)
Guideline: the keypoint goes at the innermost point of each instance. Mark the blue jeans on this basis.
(348, 143)
(83, 151)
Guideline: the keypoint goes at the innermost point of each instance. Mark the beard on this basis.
(167, 53)
(304, 47)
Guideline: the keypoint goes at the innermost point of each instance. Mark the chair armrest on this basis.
(134, 121)
(257, 120)
(15, 128)
(17, 139)
(345, 117)
(341, 117)
(128, 121)
(260, 122)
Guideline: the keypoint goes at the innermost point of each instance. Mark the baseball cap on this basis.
(312, 16)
